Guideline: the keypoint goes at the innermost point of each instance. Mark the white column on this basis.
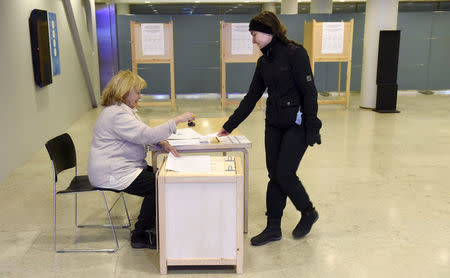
(289, 7)
(321, 7)
(123, 8)
(380, 15)
(270, 7)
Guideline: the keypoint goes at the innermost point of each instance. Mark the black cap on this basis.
(256, 25)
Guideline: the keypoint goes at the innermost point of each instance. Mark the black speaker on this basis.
(388, 49)
(40, 47)
(387, 98)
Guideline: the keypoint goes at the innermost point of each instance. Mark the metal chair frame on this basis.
(108, 210)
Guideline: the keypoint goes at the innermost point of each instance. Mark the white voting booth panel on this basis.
(201, 215)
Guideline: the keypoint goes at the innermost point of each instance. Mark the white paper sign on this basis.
(333, 38)
(241, 40)
(152, 38)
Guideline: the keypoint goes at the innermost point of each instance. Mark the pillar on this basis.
(289, 7)
(271, 7)
(380, 15)
(321, 7)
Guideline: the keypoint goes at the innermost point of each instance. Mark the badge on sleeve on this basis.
(308, 78)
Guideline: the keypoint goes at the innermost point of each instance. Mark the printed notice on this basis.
(333, 38)
(241, 40)
(152, 38)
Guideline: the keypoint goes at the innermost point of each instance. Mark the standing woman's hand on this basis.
(168, 148)
(223, 132)
(313, 137)
(188, 116)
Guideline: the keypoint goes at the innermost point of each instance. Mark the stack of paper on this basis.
(188, 136)
(231, 139)
(185, 133)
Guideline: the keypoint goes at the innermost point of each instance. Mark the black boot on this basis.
(271, 233)
(143, 239)
(309, 217)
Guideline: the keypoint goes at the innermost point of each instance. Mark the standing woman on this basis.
(291, 121)
(119, 148)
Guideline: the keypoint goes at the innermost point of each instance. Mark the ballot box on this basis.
(200, 215)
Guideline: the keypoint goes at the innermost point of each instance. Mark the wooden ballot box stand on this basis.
(201, 215)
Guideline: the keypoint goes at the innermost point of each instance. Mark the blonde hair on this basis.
(120, 85)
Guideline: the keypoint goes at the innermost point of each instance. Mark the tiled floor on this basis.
(379, 181)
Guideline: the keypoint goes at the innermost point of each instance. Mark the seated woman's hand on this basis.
(188, 116)
(168, 148)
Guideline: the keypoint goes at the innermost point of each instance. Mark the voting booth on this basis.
(331, 42)
(152, 43)
(235, 47)
(200, 215)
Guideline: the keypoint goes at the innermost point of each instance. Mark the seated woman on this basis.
(119, 148)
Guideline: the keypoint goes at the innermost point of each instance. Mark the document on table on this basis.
(185, 133)
(234, 139)
(209, 138)
(192, 138)
(191, 163)
(184, 142)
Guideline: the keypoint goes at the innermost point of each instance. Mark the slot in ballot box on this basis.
(201, 215)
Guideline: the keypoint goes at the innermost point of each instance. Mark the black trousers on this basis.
(144, 186)
(284, 151)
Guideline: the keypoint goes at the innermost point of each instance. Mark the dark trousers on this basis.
(144, 186)
(284, 151)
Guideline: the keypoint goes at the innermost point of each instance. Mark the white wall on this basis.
(30, 115)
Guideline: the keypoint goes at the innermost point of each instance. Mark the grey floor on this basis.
(379, 181)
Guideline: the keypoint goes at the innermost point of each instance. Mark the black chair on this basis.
(63, 156)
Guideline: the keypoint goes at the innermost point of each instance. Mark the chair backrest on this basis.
(62, 152)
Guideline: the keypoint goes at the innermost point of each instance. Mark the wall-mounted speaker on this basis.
(40, 47)
(388, 52)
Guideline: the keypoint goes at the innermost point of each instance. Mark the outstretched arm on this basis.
(247, 104)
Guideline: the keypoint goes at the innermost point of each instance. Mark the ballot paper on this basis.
(184, 142)
(234, 139)
(190, 163)
(185, 133)
(209, 138)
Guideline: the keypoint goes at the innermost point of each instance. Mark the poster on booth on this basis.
(333, 38)
(241, 40)
(152, 39)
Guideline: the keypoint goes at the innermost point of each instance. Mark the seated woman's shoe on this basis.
(309, 217)
(143, 239)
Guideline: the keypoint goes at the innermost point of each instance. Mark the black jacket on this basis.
(286, 72)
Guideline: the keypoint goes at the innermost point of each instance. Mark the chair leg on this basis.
(109, 250)
(126, 211)
(76, 210)
(54, 221)
(110, 221)
(109, 210)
